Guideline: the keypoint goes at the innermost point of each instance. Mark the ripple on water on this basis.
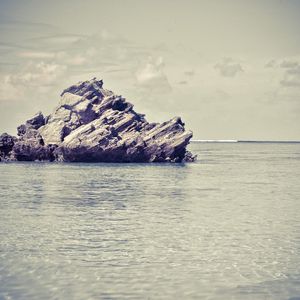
(224, 227)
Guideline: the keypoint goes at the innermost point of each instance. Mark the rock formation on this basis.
(92, 124)
(6, 145)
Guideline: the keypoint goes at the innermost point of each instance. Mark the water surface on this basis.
(226, 227)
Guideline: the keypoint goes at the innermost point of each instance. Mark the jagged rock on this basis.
(34, 123)
(6, 145)
(92, 124)
(31, 147)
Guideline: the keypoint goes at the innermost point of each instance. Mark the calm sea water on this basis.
(226, 227)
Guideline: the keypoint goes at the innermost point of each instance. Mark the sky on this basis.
(230, 69)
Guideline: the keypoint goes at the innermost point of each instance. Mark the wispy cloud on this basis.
(291, 76)
(288, 64)
(151, 75)
(35, 78)
(36, 54)
(56, 39)
(190, 73)
(271, 63)
(7, 48)
(11, 22)
(229, 67)
(183, 82)
(289, 68)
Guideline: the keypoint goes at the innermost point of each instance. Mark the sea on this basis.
(224, 227)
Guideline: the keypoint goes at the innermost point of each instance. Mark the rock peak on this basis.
(85, 88)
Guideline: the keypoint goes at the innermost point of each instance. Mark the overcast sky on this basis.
(230, 69)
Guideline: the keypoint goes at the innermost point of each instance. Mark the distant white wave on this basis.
(215, 141)
(242, 141)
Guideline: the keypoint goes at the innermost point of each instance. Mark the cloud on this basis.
(8, 48)
(190, 73)
(151, 75)
(58, 40)
(289, 64)
(288, 70)
(8, 91)
(103, 52)
(38, 74)
(152, 70)
(291, 77)
(76, 58)
(34, 78)
(228, 67)
(57, 60)
(6, 21)
(183, 82)
(271, 64)
(36, 54)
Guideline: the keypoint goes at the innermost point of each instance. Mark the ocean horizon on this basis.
(244, 141)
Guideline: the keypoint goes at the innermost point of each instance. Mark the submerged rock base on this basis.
(92, 124)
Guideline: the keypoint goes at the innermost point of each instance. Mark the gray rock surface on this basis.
(92, 124)
(6, 145)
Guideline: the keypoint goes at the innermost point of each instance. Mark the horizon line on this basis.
(244, 141)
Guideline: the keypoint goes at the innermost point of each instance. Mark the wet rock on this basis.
(31, 147)
(92, 124)
(6, 145)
